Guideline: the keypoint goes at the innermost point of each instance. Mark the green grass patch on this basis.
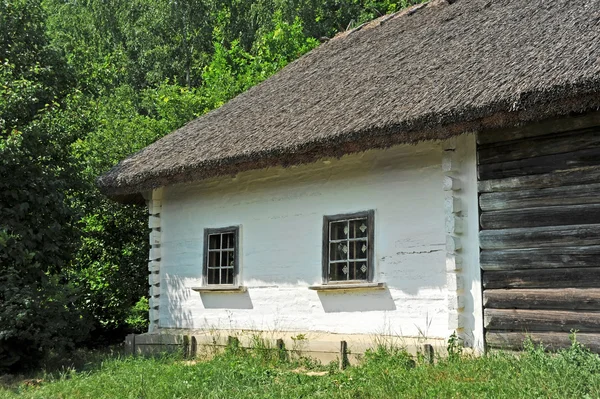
(384, 373)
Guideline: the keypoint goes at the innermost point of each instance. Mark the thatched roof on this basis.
(427, 73)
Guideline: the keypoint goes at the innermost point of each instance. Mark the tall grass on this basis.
(386, 372)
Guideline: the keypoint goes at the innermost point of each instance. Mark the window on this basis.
(221, 261)
(348, 247)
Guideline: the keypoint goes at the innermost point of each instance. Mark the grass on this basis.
(384, 373)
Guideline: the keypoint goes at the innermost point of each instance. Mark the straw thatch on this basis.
(427, 73)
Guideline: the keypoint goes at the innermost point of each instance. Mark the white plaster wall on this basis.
(471, 273)
(280, 212)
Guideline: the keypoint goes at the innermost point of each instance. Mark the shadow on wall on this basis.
(216, 300)
(345, 301)
(174, 293)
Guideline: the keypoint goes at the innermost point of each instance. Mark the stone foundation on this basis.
(321, 346)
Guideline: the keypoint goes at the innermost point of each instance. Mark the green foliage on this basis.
(32, 73)
(389, 356)
(455, 347)
(37, 233)
(387, 372)
(137, 320)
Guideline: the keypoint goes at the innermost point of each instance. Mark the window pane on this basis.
(358, 228)
(338, 251)
(227, 258)
(338, 271)
(229, 240)
(213, 276)
(358, 270)
(358, 249)
(338, 230)
(214, 241)
(227, 276)
(214, 259)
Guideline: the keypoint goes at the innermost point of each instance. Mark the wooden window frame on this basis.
(236, 265)
(327, 219)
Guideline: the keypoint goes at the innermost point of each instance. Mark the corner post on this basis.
(154, 259)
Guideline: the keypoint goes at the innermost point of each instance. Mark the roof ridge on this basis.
(379, 21)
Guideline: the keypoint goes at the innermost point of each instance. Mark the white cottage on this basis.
(433, 171)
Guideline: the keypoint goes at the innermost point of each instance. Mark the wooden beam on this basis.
(542, 216)
(567, 195)
(540, 165)
(543, 278)
(548, 126)
(550, 340)
(540, 146)
(559, 178)
(557, 299)
(522, 320)
(540, 258)
(343, 355)
(541, 237)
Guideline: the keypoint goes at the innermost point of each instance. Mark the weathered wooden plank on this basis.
(540, 237)
(540, 146)
(539, 128)
(553, 298)
(540, 258)
(550, 340)
(567, 195)
(541, 320)
(540, 165)
(543, 278)
(543, 216)
(569, 177)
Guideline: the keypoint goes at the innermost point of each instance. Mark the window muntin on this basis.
(348, 247)
(221, 256)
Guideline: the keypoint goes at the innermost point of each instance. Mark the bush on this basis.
(137, 320)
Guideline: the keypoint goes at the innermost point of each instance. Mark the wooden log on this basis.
(557, 299)
(523, 320)
(542, 216)
(428, 353)
(543, 278)
(559, 178)
(555, 196)
(546, 127)
(194, 348)
(550, 340)
(281, 352)
(541, 237)
(540, 165)
(540, 258)
(343, 355)
(186, 346)
(540, 146)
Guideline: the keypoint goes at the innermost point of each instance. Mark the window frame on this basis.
(327, 219)
(236, 265)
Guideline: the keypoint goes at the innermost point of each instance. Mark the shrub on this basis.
(137, 320)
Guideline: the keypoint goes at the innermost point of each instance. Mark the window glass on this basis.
(220, 260)
(349, 243)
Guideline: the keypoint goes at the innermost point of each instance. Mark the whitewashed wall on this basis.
(280, 212)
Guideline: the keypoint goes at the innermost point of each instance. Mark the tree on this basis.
(37, 223)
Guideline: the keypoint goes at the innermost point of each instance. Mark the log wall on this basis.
(539, 198)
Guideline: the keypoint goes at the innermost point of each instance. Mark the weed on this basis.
(455, 347)
(386, 372)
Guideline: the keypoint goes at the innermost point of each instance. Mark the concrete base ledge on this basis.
(321, 346)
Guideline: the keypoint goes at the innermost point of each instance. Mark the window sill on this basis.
(220, 289)
(348, 287)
